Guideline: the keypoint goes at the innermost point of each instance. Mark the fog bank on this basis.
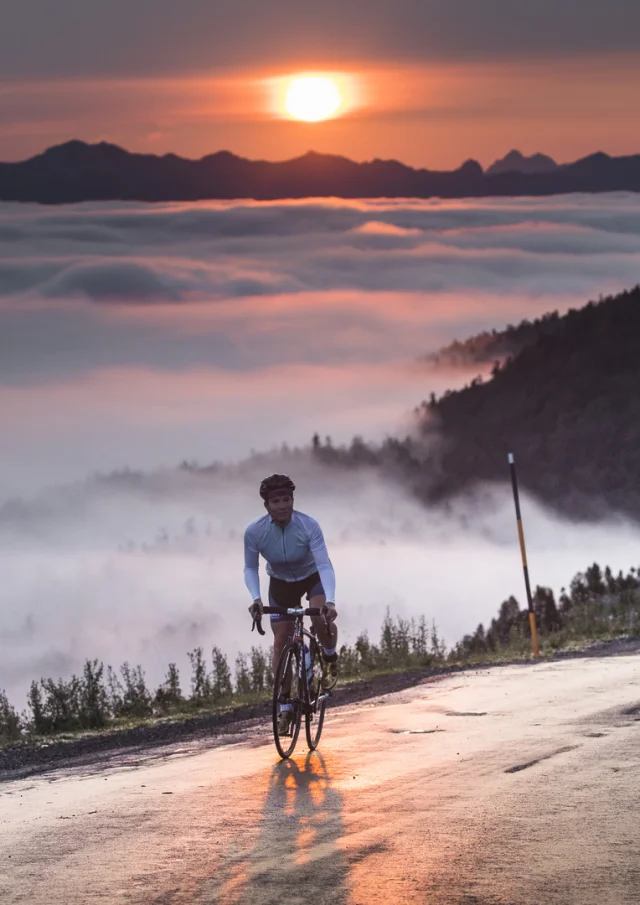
(147, 574)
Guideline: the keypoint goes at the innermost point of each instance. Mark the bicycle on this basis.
(298, 681)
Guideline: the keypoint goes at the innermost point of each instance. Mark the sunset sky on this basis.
(136, 336)
(426, 81)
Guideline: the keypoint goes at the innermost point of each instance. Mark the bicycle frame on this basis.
(297, 636)
(305, 703)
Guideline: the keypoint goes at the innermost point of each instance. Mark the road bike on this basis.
(298, 685)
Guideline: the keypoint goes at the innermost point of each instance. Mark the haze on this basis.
(141, 336)
(136, 336)
(145, 570)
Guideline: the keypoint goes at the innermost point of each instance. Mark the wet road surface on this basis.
(518, 785)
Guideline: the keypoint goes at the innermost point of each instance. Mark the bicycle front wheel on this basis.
(287, 699)
(314, 714)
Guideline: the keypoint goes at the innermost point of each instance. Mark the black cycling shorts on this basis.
(290, 594)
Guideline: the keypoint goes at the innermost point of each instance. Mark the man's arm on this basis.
(251, 574)
(323, 563)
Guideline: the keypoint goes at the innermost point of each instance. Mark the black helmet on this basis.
(276, 482)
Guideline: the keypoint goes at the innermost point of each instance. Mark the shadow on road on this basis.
(296, 852)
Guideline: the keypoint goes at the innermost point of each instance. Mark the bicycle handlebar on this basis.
(281, 610)
(293, 610)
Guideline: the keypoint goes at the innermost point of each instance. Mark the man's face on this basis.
(280, 506)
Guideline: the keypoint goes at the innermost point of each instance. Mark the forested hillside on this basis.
(495, 345)
(567, 405)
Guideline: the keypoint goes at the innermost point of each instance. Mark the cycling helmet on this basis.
(276, 482)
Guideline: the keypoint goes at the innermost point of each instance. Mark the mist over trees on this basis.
(493, 346)
(567, 404)
(562, 396)
(597, 604)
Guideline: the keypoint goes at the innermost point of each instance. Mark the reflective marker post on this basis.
(532, 618)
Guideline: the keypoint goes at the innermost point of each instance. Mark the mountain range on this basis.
(515, 162)
(77, 171)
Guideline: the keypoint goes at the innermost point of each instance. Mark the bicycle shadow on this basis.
(297, 853)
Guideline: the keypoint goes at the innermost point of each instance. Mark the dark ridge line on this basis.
(76, 171)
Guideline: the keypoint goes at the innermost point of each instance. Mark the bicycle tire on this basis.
(290, 657)
(314, 714)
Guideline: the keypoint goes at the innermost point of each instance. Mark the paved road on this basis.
(518, 785)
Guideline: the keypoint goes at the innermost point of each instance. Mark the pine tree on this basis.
(172, 684)
(115, 691)
(136, 700)
(94, 704)
(438, 647)
(243, 677)
(221, 676)
(61, 703)
(169, 694)
(36, 704)
(200, 681)
(258, 669)
(10, 727)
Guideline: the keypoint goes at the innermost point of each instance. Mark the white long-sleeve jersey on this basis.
(292, 553)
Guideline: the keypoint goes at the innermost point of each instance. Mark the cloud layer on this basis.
(144, 335)
(141, 335)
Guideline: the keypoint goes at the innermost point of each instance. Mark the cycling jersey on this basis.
(292, 553)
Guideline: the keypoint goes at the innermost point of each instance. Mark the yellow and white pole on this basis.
(532, 618)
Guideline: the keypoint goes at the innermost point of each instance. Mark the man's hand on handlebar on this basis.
(329, 612)
(256, 610)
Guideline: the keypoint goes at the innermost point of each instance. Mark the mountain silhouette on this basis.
(77, 171)
(515, 162)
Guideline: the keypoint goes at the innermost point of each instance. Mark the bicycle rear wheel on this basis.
(314, 714)
(287, 689)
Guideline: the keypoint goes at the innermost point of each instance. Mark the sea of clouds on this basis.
(143, 335)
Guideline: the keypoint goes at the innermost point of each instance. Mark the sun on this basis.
(313, 98)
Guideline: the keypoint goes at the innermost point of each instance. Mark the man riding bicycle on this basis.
(293, 546)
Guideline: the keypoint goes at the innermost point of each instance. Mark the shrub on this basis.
(10, 725)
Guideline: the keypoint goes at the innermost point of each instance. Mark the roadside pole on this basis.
(532, 618)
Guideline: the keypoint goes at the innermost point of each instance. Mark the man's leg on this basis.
(281, 632)
(327, 632)
(282, 595)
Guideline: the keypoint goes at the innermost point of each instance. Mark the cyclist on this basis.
(293, 546)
